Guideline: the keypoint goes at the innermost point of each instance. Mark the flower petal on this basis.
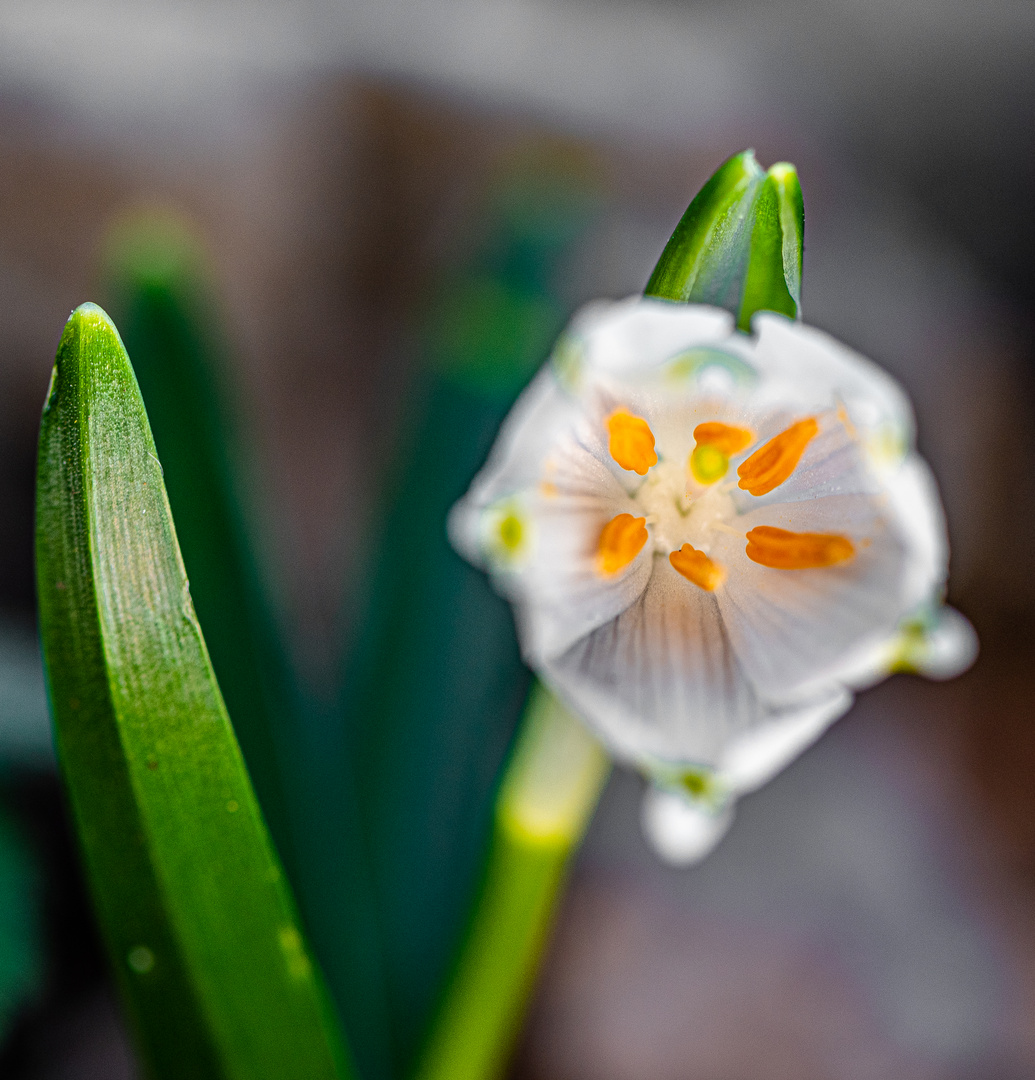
(637, 336)
(815, 370)
(660, 681)
(796, 631)
(758, 755)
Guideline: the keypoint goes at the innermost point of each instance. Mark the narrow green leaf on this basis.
(197, 914)
(294, 754)
(705, 259)
(773, 278)
(549, 792)
(159, 294)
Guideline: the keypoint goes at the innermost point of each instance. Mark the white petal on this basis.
(637, 336)
(541, 414)
(797, 631)
(913, 498)
(682, 831)
(661, 681)
(560, 592)
(757, 756)
(820, 371)
(833, 464)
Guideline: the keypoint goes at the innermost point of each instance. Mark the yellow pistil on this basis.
(695, 566)
(621, 540)
(785, 550)
(771, 465)
(631, 441)
(715, 443)
(708, 463)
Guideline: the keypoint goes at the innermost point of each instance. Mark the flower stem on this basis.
(549, 791)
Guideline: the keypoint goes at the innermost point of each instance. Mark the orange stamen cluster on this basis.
(695, 566)
(781, 549)
(621, 540)
(772, 464)
(631, 441)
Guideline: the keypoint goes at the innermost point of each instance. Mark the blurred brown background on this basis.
(872, 913)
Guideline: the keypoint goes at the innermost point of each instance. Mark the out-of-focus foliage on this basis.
(434, 685)
(21, 945)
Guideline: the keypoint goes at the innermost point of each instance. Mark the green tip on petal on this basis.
(739, 244)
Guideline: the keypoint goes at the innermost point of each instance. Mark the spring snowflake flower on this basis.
(710, 540)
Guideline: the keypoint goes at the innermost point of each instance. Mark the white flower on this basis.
(710, 540)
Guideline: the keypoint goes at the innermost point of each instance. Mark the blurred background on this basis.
(872, 913)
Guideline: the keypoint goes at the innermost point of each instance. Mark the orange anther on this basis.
(695, 566)
(773, 463)
(730, 440)
(621, 540)
(785, 550)
(632, 441)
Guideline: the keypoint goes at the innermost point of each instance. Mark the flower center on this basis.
(673, 517)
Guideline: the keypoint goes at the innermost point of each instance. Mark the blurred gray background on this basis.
(872, 913)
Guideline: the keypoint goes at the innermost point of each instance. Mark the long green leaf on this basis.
(198, 917)
(435, 685)
(160, 305)
(293, 750)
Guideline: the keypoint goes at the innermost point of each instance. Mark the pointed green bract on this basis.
(704, 261)
(739, 244)
(773, 278)
(197, 914)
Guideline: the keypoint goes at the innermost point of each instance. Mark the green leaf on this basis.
(294, 754)
(550, 789)
(773, 278)
(197, 914)
(158, 289)
(705, 259)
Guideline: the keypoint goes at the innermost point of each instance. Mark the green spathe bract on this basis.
(739, 244)
(773, 278)
(197, 915)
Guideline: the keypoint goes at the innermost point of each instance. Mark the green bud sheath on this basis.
(704, 261)
(773, 278)
(739, 244)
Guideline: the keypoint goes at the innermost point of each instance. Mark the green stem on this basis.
(550, 789)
